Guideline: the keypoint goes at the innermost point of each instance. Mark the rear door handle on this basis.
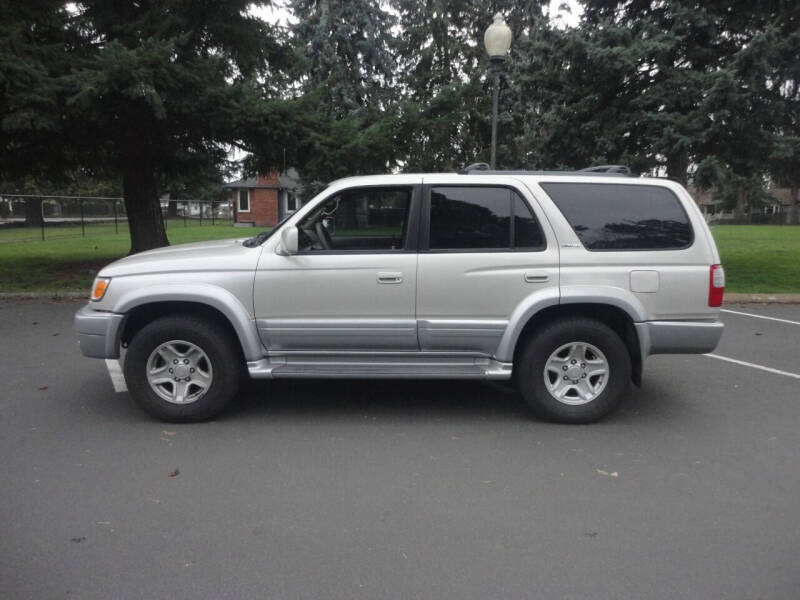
(536, 277)
(390, 277)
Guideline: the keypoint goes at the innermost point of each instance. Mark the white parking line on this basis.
(753, 365)
(117, 378)
(736, 312)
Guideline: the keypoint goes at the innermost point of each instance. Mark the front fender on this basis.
(210, 295)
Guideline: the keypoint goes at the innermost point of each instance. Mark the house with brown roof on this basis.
(264, 200)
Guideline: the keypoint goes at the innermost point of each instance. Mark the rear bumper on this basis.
(98, 332)
(678, 337)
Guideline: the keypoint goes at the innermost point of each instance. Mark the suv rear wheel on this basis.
(181, 368)
(573, 370)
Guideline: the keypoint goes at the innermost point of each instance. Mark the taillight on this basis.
(716, 285)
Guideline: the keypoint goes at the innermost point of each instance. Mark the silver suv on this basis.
(561, 282)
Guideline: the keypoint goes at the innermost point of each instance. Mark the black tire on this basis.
(530, 376)
(220, 347)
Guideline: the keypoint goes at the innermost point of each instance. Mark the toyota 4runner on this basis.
(563, 283)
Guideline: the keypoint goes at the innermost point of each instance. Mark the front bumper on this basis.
(98, 332)
(678, 337)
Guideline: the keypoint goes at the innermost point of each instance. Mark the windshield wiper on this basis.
(257, 240)
(265, 235)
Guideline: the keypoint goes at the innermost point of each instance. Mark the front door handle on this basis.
(536, 277)
(390, 277)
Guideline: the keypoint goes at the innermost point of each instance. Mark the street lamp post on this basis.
(497, 40)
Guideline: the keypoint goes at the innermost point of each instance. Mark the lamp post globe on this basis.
(497, 40)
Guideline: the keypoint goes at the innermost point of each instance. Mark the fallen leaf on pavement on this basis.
(606, 473)
(174, 473)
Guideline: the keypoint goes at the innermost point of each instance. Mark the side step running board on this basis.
(382, 367)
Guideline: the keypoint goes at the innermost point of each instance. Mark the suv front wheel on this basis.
(573, 370)
(182, 368)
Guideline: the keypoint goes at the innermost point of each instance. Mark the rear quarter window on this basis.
(623, 217)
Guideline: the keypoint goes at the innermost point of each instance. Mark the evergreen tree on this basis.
(150, 90)
(342, 110)
(33, 38)
(346, 53)
(443, 76)
(702, 87)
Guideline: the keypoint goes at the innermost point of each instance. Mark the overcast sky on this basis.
(277, 13)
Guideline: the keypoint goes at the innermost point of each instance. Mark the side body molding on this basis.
(210, 295)
(520, 317)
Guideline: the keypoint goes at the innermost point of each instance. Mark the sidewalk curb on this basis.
(729, 298)
(44, 296)
(762, 298)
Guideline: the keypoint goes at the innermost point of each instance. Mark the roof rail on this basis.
(479, 166)
(600, 170)
(623, 169)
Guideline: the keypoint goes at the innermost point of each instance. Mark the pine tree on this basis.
(343, 110)
(149, 90)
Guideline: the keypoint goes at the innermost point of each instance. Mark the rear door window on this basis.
(623, 217)
(482, 218)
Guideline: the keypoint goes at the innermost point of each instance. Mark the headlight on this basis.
(99, 288)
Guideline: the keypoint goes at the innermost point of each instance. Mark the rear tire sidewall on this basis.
(214, 340)
(544, 341)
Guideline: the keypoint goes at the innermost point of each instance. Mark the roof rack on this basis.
(600, 170)
(475, 167)
(623, 169)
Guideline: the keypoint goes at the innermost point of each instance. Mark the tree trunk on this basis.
(677, 166)
(172, 207)
(794, 208)
(33, 212)
(140, 191)
(738, 210)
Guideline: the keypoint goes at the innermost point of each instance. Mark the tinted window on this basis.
(623, 217)
(359, 219)
(527, 233)
(479, 218)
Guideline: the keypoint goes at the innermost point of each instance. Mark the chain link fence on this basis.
(37, 217)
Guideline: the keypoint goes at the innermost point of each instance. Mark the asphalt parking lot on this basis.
(353, 489)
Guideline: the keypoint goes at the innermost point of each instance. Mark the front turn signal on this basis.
(99, 288)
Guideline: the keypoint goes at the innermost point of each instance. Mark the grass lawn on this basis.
(760, 258)
(67, 262)
(757, 258)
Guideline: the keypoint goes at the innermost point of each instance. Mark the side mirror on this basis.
(289, 241)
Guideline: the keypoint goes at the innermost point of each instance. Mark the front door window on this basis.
(362, 219)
